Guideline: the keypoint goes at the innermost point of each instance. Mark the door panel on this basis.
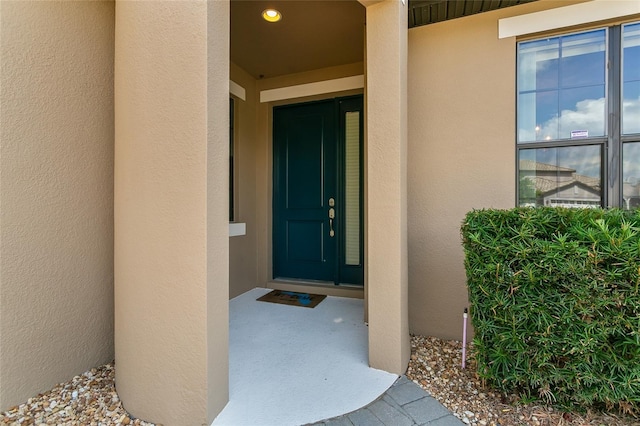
(304, 179)
(304, 161)
(304, 240)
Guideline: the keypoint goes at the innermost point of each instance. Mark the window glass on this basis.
(631, 175)
(563, 177)
(561, 87)
(231, 151)
(631, 79)
(352, 188)
(538, 64)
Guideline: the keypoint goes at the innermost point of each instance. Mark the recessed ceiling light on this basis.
(271, 15)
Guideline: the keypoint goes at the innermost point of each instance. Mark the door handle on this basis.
(332, 215)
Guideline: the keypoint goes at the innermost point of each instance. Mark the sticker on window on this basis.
(578, 134)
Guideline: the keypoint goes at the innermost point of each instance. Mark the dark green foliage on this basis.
(555, 303)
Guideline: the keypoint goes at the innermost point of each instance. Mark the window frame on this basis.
(611, 144)
(628, 138)
(232, 197)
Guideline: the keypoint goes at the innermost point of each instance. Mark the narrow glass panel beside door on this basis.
(352, 188)
(350, 199)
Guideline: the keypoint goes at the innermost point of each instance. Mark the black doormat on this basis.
(292, 298)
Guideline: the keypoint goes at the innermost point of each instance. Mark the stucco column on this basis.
(171, 204)
(389, 347)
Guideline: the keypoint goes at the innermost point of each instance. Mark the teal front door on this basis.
(317, 191)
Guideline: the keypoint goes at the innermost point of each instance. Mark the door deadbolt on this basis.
(332, 202)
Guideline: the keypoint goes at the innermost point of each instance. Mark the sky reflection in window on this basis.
(631, 79)
(561, 87)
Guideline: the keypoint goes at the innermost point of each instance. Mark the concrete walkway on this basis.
(403, 404)
(290, 366)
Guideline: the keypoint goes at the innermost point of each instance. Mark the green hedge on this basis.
(555, 303)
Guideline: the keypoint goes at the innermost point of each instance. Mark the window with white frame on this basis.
(578, 118)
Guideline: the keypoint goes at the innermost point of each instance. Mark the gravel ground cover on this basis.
(436, 366)
(91, 399)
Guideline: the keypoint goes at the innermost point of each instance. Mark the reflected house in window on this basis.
(544, 184)
(631, 193)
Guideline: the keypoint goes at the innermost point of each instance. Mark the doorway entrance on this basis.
(317, 191)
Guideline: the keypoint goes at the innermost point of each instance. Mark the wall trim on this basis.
(236, 90)
(312, 89)
(566, 16)
(237, 229)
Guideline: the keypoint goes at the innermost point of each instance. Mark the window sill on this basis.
(237, 229)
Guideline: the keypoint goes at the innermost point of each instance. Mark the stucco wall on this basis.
(56, 193)
(171, 209)
(217, 328)
(242, 249)
(461, 153)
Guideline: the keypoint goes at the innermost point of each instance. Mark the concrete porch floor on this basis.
(291, 365)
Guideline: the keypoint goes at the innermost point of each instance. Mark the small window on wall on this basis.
(231, 148)
(578, 106)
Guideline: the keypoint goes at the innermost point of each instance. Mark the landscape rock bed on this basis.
(436, 367)
(91, 399)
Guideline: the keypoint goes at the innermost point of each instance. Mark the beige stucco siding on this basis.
(242, 249)
(461, 153)
(171, 215)
(56, 193)
(386, 191)
(461, 156)
(217, 282)
(171, 209)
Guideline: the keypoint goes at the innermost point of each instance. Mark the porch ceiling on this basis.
(316, 34)
(311, 35)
